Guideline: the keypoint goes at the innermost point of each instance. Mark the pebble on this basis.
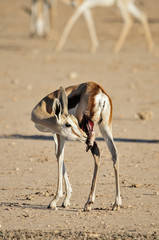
(93, 235)
(46, 194)
(136, 185)
(28, 198)
(17, 169)
(145, 114)
(135, 70)
(29, 87)
(129, 206)
(25, 215)
(125, 130)
(15, 99)
(132, 86)
(156, 193)
(8, 209)
(48, 58)
(124, 182)
(13, 143)
(15, 81)
(35, 51)
(73, 75)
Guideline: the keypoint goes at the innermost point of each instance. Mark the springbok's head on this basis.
(66, 124)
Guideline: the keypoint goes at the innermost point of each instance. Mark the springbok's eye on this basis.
(68, 125)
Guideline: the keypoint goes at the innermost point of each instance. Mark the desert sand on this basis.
(29, 70)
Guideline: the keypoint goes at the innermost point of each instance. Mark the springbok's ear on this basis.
(56, 108)
(63, 100)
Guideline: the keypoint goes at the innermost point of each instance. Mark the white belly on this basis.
(101, 3)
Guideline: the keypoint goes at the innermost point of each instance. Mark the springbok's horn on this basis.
(63, 100)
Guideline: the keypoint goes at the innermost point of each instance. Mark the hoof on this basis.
(115, 207)
(88, 207)
(66, 202)
(64, 205)
(52, 206)
(117, 204)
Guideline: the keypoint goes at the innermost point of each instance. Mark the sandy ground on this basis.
(29, 70)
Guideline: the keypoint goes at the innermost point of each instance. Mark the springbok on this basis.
(43, 14)
(127, 9)
(72, 114)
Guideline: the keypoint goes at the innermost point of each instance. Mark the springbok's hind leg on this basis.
(128, 22)
(92, 31)
(138, 14)
(106, 132)
(96, 154)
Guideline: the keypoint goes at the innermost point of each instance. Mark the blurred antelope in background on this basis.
(72, 113)
(128, 10)
(43, 14)
(43, 17)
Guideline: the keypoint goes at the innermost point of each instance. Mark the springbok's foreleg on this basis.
(96, 154)
(53, 13)
(92, 31)
(33, 18)
(80, 10)
(106, 132)
(59, 150)
(126, 28)
(46, 17)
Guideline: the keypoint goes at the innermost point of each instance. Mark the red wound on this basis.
(87, 125)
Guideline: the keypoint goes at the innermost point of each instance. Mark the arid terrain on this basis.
(30, 69)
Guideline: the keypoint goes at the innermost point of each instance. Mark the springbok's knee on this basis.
(114, 158)
(95, 150)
